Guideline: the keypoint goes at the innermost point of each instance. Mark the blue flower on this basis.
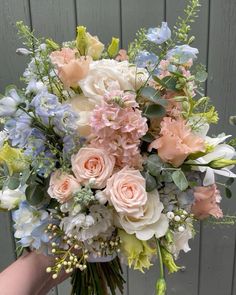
(182, 53)
(159, 35)
(9, 103)
(45, 104)
(35, 144)
(19, 130)
(146, 59)
(30, 225)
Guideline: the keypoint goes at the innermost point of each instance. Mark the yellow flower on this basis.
(138, 253)
(13, 158)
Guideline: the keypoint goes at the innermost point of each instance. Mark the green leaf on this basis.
(228, 193)
(170, 83)
(201, 76)
(151, 183)
(154, 111)
(25, 176)
(34, 194)
(180, 180)
(148, 137)
(230, 181)
(154, 165)
(151, 94)
(13, 183)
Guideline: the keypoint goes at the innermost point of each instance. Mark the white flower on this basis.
(8, 104)
(10, 199)
(152, 223)
(106, 75)
(23, 51)
(35, 87)
(220, 151)
(180, 241)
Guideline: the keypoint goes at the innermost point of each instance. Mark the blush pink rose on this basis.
(70, 68)
(62, 186)
(126, 192)
(176, 141)
(92, 163)
(207, 199)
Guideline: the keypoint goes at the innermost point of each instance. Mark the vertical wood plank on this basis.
(134, 15)
(186, 281)
(12, 66)
(55, 19)
(218, 246)
(137, 14)
(101, 17)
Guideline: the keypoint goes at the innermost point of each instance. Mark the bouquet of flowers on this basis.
(105, 156)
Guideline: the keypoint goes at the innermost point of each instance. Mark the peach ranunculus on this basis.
(176, 141)
(92, 166)
(62, 186)
(207, 199)
(70, 68)
(126, 191)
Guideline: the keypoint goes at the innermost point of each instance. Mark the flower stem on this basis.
(160, 259)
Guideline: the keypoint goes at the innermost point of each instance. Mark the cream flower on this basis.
(10, 199)
(107, 75)
(95, 47)
(180, 242)
(152, 223)
(92, 163)
(62, 186)
(126, 191)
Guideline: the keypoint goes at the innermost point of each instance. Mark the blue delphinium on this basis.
(29, 225)
(35, 144)
(159, 35)
(182, 53)
(146, 60)
(9, 103)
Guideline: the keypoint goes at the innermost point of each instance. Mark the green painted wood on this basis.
(101, 17)
(218, 245)
(137, 14)
(12, 65)
(55, 19)
(186, 281)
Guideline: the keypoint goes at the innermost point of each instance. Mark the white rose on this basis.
(10, 199)
(180, 241)
(107, 75)
(152, 223)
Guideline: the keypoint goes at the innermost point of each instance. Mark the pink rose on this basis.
(206, 202)
(176, 141)
(126, 192)
(62, 186)
(92, 163)
(70, 68)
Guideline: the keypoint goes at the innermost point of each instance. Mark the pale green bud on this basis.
(52, 44)
(161, 287)
(82, 40)
(169, 261)
(113, 48)
(221, 163)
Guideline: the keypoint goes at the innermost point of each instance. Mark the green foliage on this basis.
(180, 180)
(154, 165)
(154, 111)
(25, 33)
(138, 44)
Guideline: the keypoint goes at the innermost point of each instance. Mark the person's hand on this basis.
(28, 276)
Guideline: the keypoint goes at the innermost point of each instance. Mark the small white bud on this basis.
(48, 269)
(170, 215)
(181, 228)
(177, 218)
(23, 51)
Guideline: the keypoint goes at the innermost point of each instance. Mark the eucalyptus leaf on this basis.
(228, 193)
(151, 94)
(154, 111)
(13, 183)
(148, 137)
(151, 182)
(201, 76)
(34, 194)
(154, 165)
(230, 181)
(180, 180)
(170, 82)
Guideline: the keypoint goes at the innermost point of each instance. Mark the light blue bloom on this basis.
(29, 225)
(9, 103)
(182, 53)
(71, 144)
(19, 130)
(146, 59)
(35, 143)
(45, 105)
(159, 35)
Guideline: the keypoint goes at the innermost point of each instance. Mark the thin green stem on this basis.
(160, 259)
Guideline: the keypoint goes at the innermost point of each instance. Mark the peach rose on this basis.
(92, 164)
(176, 141)
(70, 68)
(126, 192)
(62, 186)
(206, 202)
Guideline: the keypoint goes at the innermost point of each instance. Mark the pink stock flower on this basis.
(206, 202)
(176, 141)
(62, 186)
(122, 55)
(117, 126)
(70, 69)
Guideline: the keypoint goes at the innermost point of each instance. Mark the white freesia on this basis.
(180, 241)
(107, 75)
(220, 151)
(152, 223)
(10, 199)
(8, 104)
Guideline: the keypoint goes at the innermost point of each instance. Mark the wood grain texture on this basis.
(54, 19)
(138, 14)
(101, 17)
(218, 245)
(12, 65)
